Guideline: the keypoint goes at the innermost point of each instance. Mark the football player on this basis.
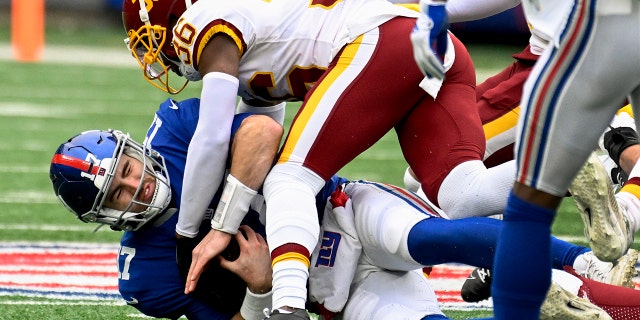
(569, 99)
(355, 74)
(106, 177)
(498, 103)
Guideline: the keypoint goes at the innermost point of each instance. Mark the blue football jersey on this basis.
(148, 276)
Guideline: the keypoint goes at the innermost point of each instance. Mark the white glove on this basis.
(429, 38)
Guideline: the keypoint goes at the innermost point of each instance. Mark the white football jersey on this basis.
(286, 45)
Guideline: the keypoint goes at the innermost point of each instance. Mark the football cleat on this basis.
(619, 302)
(605, 222)
(560, 304)
(299, 314)
(619, 273)
(477, 287)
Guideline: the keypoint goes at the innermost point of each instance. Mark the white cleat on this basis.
(605, 222)
(560, 304)
(619, 273)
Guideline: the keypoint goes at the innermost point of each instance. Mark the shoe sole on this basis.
(599, 211)
(626, 270)
(562, 305)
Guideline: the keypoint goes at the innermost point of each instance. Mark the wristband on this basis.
(253, 304)
(233, 206)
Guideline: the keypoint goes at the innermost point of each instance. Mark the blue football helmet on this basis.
(82, 170)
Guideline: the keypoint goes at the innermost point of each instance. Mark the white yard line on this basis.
(80, 55)
(43, 227)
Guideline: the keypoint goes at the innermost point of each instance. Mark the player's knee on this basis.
(289, 174)
(411, 183)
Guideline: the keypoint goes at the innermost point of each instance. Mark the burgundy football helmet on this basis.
(149, 25)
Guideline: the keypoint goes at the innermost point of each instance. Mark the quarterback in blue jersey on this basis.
(149, 278)
(374, 237)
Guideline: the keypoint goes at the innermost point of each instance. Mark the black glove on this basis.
(184, 248)
(617, 140)
(218, 287)
(618, 176)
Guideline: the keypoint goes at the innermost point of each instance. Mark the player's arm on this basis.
(469, 10)
(429, 38)
(253, 151)
(207, 156)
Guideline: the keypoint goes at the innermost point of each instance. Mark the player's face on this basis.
(128, 176)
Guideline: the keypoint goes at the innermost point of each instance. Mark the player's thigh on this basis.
(438, 135)
(386, 295)
(570, 99)
(368, 88)
(383, 219)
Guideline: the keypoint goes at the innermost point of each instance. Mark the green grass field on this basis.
(42, 104)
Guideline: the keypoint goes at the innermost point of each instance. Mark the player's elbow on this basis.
(263, 128)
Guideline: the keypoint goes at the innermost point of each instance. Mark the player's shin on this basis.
(292, 229)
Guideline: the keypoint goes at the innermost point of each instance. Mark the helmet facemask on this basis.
(153, 165)
(146, 45)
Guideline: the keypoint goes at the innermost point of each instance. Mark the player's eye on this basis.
(127, 169)
(115, 195)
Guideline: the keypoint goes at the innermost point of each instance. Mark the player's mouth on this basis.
(148, 191)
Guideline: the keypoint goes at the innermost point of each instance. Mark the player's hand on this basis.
(253, 264)
(429, 38)
(211, 246)
(184, 249)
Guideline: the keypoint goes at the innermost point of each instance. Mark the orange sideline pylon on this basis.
(27, 29)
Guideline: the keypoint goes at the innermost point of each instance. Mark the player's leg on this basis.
(622, 145)
(346, 112)
(498, 103)
(485, 191)
(620, 302)
(450, 165)
(398, 231)
(570, 107)
(629, 195)
(390, 295)
(606, 225)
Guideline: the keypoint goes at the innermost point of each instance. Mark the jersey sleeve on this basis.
(202, 22)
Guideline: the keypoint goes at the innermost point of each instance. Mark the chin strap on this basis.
(144, 14)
